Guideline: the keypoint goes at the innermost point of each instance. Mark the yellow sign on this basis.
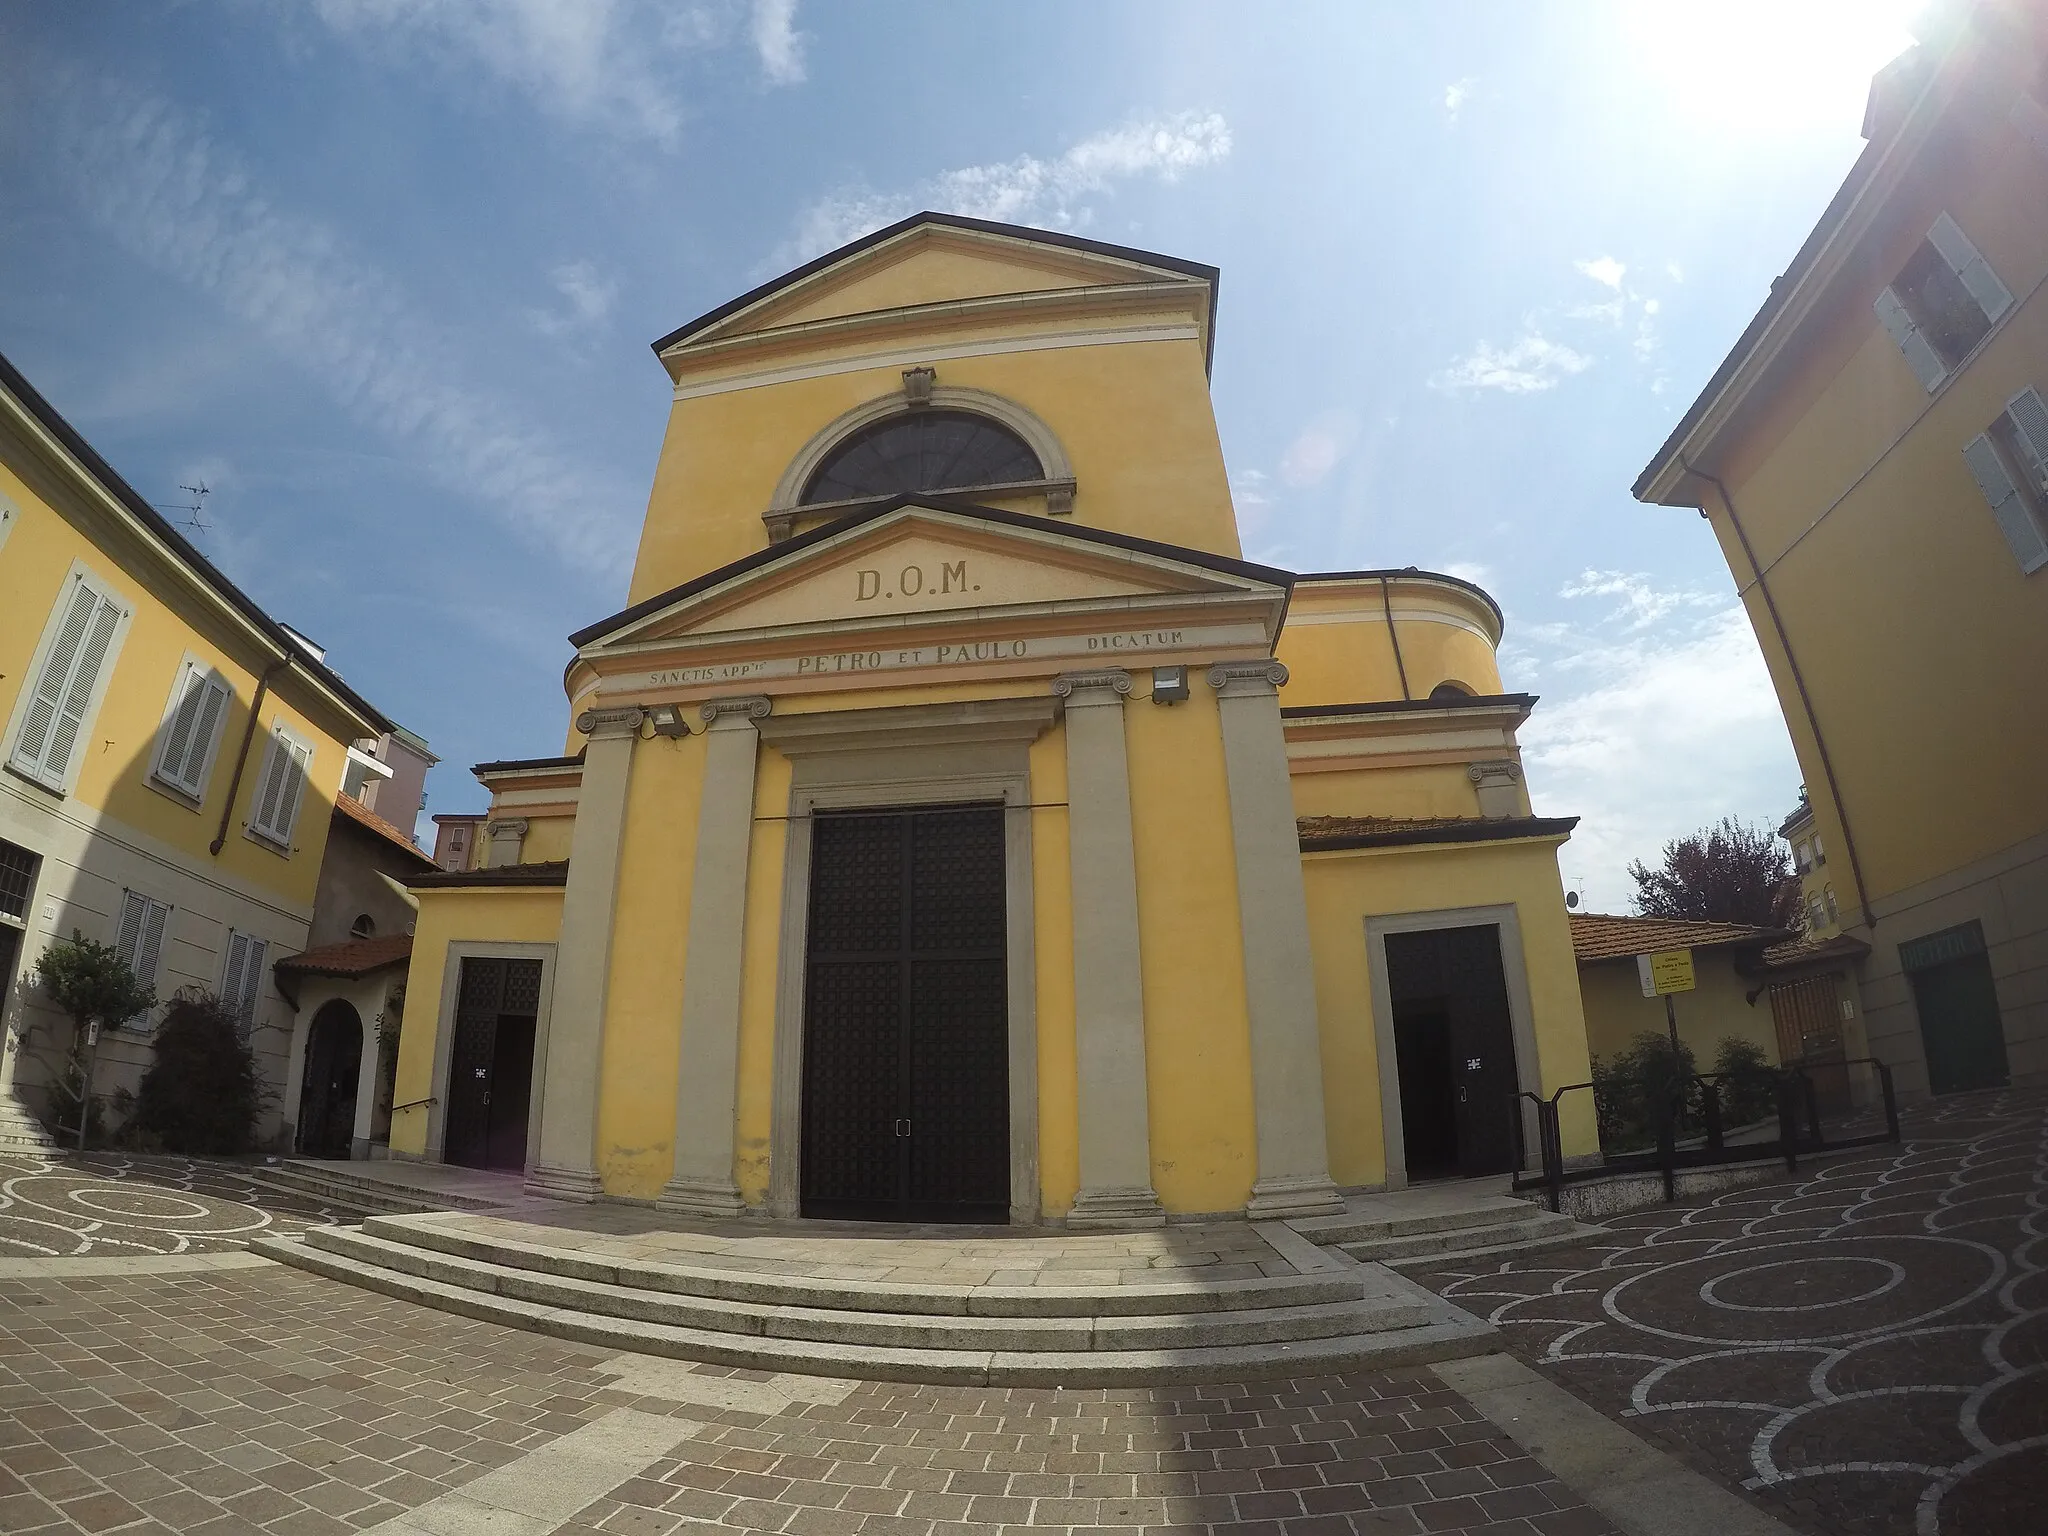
(1668, 970)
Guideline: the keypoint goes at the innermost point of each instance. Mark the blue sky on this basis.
(382, 274)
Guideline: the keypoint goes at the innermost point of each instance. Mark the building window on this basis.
(1802, 855)
(139, 941)
(17, 883)
(1449, 692)
(242, 978)
(923, 451)
(280, 787)
(1943, 302)
(1820, 856)
(2009, 462)
(77, 652)
(1834, 912)
(191, 729)
(1816, 912)
(364, 927)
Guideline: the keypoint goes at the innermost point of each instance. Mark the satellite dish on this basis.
(1571, 901)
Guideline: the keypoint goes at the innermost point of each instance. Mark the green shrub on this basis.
(92, 983)
(1749, 1083)
(1631, 1089)
(200, 1095)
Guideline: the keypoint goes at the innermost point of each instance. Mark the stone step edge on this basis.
(1585, 1234)
(426, 1200)
(1464, 1239)
(342, 1195)
(886, 1329)
(841, 1295)
(1346, 1228)
(1456, 1337)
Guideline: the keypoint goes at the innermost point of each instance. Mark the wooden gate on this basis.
(1808, 1017)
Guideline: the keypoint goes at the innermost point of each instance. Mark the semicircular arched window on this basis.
(923, 451)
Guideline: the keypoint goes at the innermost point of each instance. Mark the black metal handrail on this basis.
(1799, 1129)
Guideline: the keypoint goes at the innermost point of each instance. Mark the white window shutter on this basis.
(1975, 273)
(128, 935)
(231, 972)
(32, 746)
(1925, 362)
(298, 768)
(243, 979)
(272, 788)
(2015, 517)
(176, 751)
(149, 953)
(189, 743)
(2028, 413)
(69, 725)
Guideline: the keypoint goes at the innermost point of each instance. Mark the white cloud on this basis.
(777, 41)
(1466, 570)
(161, 185)
(1249, 493)
(1317, 449)
(1027, 190)
(1658, 717)
(608, 64)
(1529, 364)
(1604, 270)
(1456, 94)
(587, 301)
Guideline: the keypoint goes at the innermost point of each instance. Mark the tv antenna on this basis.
(194, 510)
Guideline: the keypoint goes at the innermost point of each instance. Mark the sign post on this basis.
(1664, 974)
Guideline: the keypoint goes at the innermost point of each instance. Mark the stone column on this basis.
(507, 838)
(567, 1166)
(707, 1071)
(1109, 988)
(366, 1081)
(1279, 971)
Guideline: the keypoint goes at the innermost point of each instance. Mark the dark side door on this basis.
(490, 1062)
(1455, 1047)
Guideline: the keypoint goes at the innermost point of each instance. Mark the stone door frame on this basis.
(444, 1036)
(1521, 1017)
(893, 759)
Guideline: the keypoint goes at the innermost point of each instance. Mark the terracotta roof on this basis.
(1328, 833)
(1805, 950)
(556, 873)
(1601, 936)
(356, 957)
(363, 816)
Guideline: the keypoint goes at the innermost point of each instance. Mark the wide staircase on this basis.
(367, 1186)
(1421, 1228)
(1312, 1311)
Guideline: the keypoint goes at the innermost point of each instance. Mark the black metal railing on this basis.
(1815, 1112)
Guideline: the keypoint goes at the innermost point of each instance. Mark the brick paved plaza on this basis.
(1862, 1348)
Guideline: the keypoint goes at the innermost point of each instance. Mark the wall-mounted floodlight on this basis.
(1169, 685)
(668, 721)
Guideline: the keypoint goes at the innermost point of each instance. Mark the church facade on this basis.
(954, 826)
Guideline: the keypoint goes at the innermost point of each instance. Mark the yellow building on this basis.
(1873, 456)
(955, 826)
(170, 762)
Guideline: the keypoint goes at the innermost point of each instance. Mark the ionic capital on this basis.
(735, 714)
(1503, 770)
(1242, 679)
(1109, 685)
(600, 723)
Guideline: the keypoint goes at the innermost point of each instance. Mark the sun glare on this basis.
(1768, 67)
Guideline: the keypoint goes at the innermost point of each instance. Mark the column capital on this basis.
(731, 714)
(1239, 679)
(1108, 685)
(600, 723)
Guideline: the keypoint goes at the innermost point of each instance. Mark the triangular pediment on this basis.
(916, 562)
(927, 260)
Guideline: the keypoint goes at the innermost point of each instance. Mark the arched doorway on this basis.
(327, 1099)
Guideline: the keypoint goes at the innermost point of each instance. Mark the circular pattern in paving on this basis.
(57, 1205)
(1863, 1347)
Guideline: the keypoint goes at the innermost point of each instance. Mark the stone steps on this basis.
(361, 1192)
(1379, 1321)
(20, 1130)
(1398, 1231)
(1533, 1233)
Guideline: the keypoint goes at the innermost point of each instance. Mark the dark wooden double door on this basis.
(906, 1090)
(1455, 1045)
(490, 1066)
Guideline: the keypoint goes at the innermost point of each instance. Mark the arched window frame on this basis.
(1057, 486)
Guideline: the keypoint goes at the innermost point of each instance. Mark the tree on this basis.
(94, 985)
(1731, 872)
(200, 1095)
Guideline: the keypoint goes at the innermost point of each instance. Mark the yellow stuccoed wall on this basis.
(503, 914)
(1432, 789)
(724, 453)
(1337, 650)
(1617, 1011)
(112, 776)
(1344, 889)
(644, 1000)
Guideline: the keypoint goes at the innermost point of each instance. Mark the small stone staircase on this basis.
(20, 1130)
(1403, 1232)
(340, 1184)
(1319, 1314)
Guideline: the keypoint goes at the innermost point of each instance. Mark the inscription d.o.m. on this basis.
(871, 584)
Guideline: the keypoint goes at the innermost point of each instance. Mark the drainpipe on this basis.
(1394, 635)
(1827, 764)
(220, 839)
